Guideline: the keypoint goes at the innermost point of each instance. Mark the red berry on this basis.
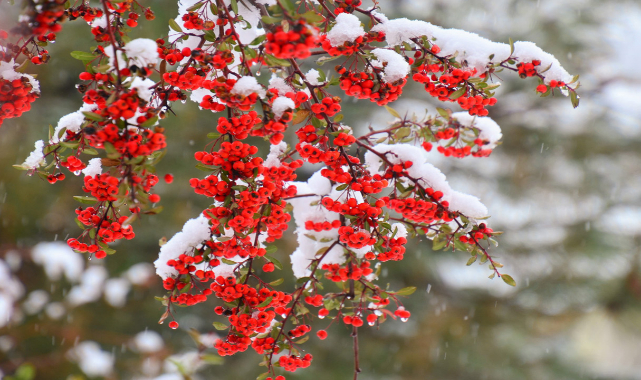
(322, 334)
(173, 325)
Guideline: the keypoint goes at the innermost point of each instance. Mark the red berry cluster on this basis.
(294, 43)
(479, 232)
(328, 107)
(420, 210)
(553, 84)
(338, 273)
(16, 97)
(103, 187)
(528, 69)
(355, 238)
(346, 6)
(292, 362)
(362, 85)
(350, 48)
(109, 232)
(450, 81)
(73, 164)
(239, 127)
(82, 248)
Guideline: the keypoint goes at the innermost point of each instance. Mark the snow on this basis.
(142, 52)
(313, 76)
(11, 290)
(55, 310)
(71, 122)
(310, 241)
(116, 290)
(281, 105)
(143, 87)
(90, 287)
(198, 95)
(7, 72)
(139, 274)
(426, 175)
(109, 52)
(148, 342)
(401, 230)
(91, 359)
(57, 259)
(247, 85)
(37, 157)
(488, 129)
(251, 14)
(35, 302)
(527, 51)
(319, 185)
(274, 152)
(402, 30)
(397, 67)
(99, 22)
(266, 2)
(94, 167)
(194, 232)
(279, 84)
(472, 49)
(347, 29)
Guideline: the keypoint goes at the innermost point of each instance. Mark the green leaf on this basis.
(574, 98)
(268, 20)
(443, 112)
(220, 326)
(82, 55)
(270, 249)
(289, 6)
(272, 61)
(266, 302)
(277, 282)
(342, 187)
(174, 26)
(85, 200)
(392, 111)
(227, 261)
(322, 60)
(234, 6)
(472, 260)
(406, 291)
(511, 47)
(212, 359)
(195, 7)
(508, 279)
(149, 122)
(458, 93)
(438, 244)
(22, 167)
(312, 16)
(93, 116)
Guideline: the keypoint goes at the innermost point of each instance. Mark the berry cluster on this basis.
(362, 85)
(16, 96)
(294, 43)
(350, 48)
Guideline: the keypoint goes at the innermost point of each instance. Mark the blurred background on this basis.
(565, 187)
